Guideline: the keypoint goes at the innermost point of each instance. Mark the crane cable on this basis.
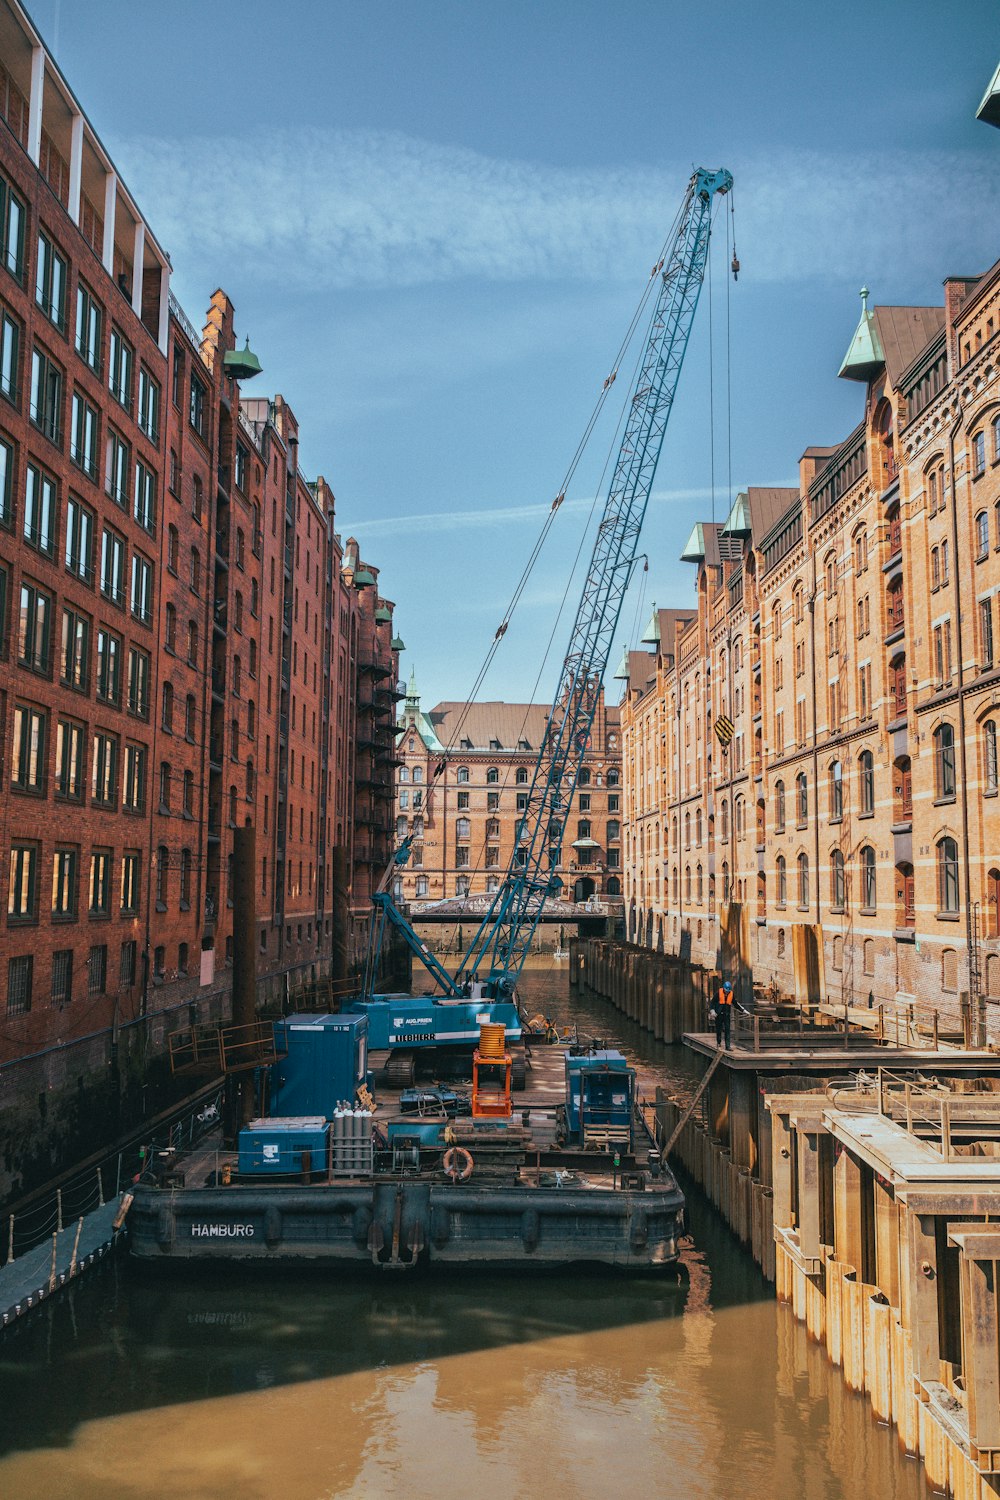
(561, 496)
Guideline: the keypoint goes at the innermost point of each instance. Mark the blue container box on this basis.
(325, 1062)
(275, 1147)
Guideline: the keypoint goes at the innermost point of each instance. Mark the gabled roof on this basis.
(905, 333)
(509, 724)
(889, 338)
(767, 506)
(662, 628)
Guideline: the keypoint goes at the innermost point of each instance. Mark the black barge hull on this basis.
(411, 1223)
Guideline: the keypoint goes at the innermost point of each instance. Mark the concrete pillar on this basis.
(808, 1159)
(781, 1168)
(847, 1211)
(110, 203)
(923, 1297)
(137, 255)
(75, 168)
(35, 102)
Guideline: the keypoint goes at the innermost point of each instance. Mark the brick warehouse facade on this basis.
(464, 818)
(846, 841)
(186, 645)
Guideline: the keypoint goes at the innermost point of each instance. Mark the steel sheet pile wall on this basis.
(663, 994)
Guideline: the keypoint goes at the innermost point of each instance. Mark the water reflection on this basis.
(306, 1388)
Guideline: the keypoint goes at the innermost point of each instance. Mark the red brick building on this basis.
(185, 647)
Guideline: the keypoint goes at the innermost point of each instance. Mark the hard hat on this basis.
(727, 985)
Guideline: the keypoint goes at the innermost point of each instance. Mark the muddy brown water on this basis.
(186, 1385)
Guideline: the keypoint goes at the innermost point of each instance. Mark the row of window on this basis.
(51, 291)
(112, 772)
(36, 641)
(41, 502)
(25, 892)
(21, 973)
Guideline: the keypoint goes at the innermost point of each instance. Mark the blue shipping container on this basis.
(325, 1062)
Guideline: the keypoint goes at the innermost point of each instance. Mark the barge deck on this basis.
(529, 1200)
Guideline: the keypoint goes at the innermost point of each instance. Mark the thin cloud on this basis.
(495, 516)
(339, 209)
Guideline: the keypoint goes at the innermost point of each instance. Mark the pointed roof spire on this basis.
(865, 357)
(651, 635)
(411, 691)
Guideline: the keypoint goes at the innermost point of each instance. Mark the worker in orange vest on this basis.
(722, 1014)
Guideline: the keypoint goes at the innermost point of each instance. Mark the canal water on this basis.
(189, 1385)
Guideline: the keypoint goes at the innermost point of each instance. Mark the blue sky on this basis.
(435, 220)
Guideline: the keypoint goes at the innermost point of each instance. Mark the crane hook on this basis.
(736, 264)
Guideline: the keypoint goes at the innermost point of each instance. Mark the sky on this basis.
(435, 221)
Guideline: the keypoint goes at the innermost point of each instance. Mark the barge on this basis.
(424, 1177)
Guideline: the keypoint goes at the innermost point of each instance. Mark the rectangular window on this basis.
(986, 633)
(942, 653)
(242, 454)
(83, 436)
(522, 801)
(104, 777)
(116, 469)
(197, 407)
(6, 483)
(12, 217)
(50, 282)
(65, 867)
(113, 567)
(100, 883)
(865, 691)
(177, 379)
(612, 802)
(492, 801)
(28, 758)
(19, 986)
(463, 799)
(62, 976)
(127, 965)
(134, 780)
(69, 760)
(109, 667)
(142, 589)
(461, 858)
(45, 405)
(97, 969)
(130, 884)
(138, 683)
(89, 325)
(22, 895)
(145, 496)
(34, 628)
(10, 340)
(149, 405)
(79, 540)
(492, 857)
(120, 369)
(39, 510)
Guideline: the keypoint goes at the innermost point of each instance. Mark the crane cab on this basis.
(600, 1100)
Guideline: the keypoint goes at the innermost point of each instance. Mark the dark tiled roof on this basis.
(904, 333)
(641, 670)
(508, 723)
(767, 506)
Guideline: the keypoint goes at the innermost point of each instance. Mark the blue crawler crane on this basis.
(496, 955)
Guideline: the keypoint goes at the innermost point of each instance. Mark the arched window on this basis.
(947, 873)
(492, 776)
(803, 868)
(162, 875)
(781, 941)
(190, 716)
(167, 716)
(462, 774)
(687, 830)
(990, 755)
(462, 828)
(831, 575)
(802, 797)
(868, 888)
(837, 880)
(866, 766)
(170, 637)
(944, 762)
(781, 880)
(697, 826)
(185, 878)
(797, 604)
(776, 621)
(836, 791)
(584, 778)
(687, 882)
(861, 551)
(724, 821)
(982, 535)
(520, 776)
(700, 885)
(779, 807)
(725, 880)
(192, 643)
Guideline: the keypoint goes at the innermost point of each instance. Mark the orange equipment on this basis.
(491, 1065)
